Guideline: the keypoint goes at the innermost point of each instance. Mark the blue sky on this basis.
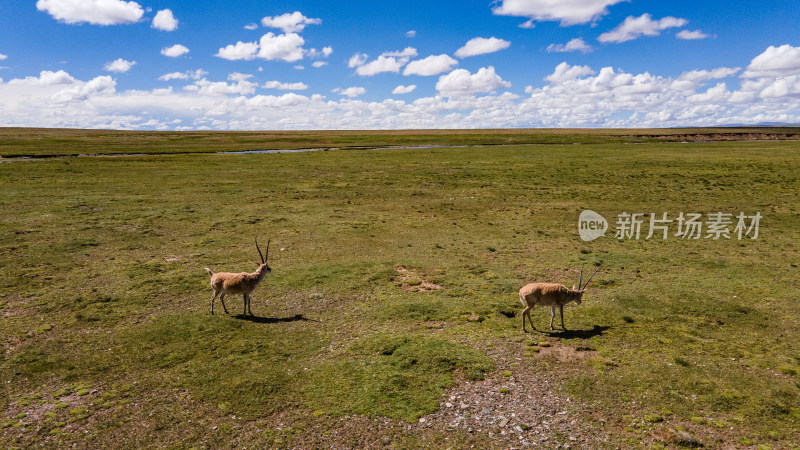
(170, 64)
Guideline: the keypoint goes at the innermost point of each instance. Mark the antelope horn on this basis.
(263, 261)
(265, 258)
(590, 279)
(581, 277)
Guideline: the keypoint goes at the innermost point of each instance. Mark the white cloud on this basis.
(95, 12)
(119, 65)
(285, 86)
(480, 46)
(408, 52)
(174, 51)
(380, 65)
(404, 89)
(287, 47)
(565, 72)
(99, 86)
(318, 64)
(351, 92)
(575, 45)
(238, 51)
(221, 88)
(691, 35)
(704, 75)
(251, 26)
(45, 78)
(432, 65)
(636, 27)
(462, 83)
(386, 62)
(356, 60)
(193, 74)
(324, 53)
(3, 57)
(238, 76)
(568, 12)
(775, 62)
(411, 33)
(289, 22)
(164, 20)
(571, 96)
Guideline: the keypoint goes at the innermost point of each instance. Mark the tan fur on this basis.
(243, 283)
(547, 294)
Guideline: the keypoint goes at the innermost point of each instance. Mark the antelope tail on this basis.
(210, 273)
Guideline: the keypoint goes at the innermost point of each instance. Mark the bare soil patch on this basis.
(411, 281)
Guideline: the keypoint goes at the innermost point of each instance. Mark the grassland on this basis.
(35, 142)
(108, 339)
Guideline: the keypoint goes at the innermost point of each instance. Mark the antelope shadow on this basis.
(597, 330)
(256, 319)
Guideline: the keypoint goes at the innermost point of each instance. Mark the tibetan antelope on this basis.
(243, 283)
(552, 295)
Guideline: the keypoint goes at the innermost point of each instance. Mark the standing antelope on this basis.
(552, 295)
(238, 283)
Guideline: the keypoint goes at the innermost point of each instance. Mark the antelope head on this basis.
(577, 293)
(263, 266)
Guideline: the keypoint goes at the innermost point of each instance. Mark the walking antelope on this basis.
(243, 283)
(552, 295)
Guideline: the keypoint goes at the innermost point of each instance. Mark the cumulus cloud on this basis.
(164, 20)
(95, 12)
(480, 46)
(691, 35)
(251, 26)
(238, 51)
(461, 82)
(404, 89)
(565, 72)
(2, 57)
(99, 86)
(285, 86)
(636, 27)
(318, 64)
(380, 65)
(568, 12)
(240, 86)
(286, 47)
(386, 62)
(351, 92)
(775, 62)
(575, 45)
(290, 22)
(45, 78)
(432, 65)
(174, 51)
(119, 65)
(704, 75)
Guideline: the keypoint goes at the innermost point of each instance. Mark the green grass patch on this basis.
(401, 376)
